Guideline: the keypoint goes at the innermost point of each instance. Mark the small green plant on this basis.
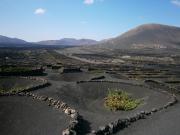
(120, 100)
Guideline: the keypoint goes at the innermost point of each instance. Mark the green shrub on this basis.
(1, 91)
(120, 100)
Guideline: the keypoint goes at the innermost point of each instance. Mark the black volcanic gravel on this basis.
(88, 98)
(161, 123)
(72, 77)
(24, 116)
(16, 82)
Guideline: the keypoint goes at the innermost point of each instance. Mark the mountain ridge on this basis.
(68, 41)
(144, 36)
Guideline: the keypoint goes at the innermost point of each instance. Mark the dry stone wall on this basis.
(120, 124)
(43, 83)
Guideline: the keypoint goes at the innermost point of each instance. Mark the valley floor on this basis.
(85, 92)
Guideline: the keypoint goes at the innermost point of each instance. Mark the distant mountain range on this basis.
(69, 42)
(9, 40)
(145, 36)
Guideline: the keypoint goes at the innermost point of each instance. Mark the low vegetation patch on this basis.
(13, 90)
(120, 100)
(18, 71)
(15, 69)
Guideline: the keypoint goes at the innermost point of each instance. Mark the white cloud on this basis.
(176, 2)
(40, 11)
(88, 2)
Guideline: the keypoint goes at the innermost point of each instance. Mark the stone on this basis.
(54, 102)
(50, 98)
(142, 112)
(44, 98)
(57, 106)
(93, 132)
(67, 111)
(63, 105)
(154, 110)
(111, 128)
(69, 132)
(58, 102)
(165, 106)
(66, 132)
(73, 111)
(74, 116)
(72, 132)
(102, 128)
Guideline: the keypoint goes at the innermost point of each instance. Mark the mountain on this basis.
(154, 36)
(146, 36)
(8, 40)
(69, 42)
(15, 42)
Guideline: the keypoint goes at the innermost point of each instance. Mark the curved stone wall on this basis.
(120, 124)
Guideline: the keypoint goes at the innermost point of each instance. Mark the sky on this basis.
(36, 20)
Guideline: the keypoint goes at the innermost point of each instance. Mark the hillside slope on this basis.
(146, 36)
(8, 40)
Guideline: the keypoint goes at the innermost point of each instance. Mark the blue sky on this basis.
(35, 20)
